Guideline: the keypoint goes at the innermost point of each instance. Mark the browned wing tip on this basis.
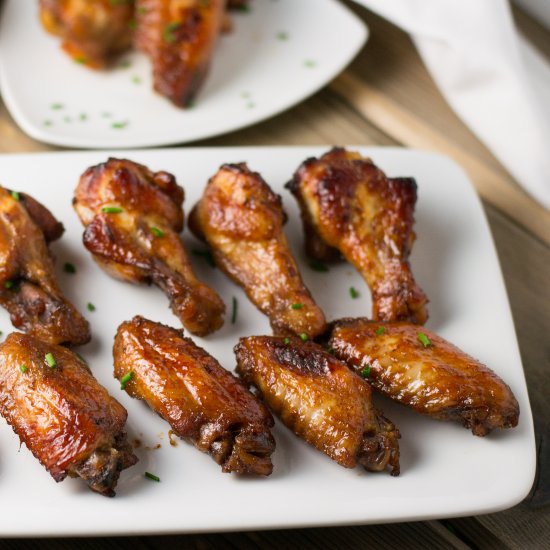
(380, 450)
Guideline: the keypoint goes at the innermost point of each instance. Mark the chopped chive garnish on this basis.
(90, 306)
(205, 255)
(50, 360)
(23, 368)
(297, 306)
(112, 210)
(15, 195)
(69, 268)
(157, 232)
(56, 106)
(168, 33)
(125, 64)
(234, 310)
(151, 476)
(83, 116)
(82, 60)
(365, 373)
(9, 284)
(1, 333)
(424, 340)
(316, 265)
(309, 63)
(132, 24)
(286, 341)
(330, 350)
(303, 336)
(136, 79)
(282, 35)
(380, 330)
(125, 379)
(141, 10)
(119, 125)
(353, 292)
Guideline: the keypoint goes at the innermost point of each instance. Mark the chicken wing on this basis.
(28, 288)
(427, 373)
(200, 400)
(179, 36)
(349, 205)
(320, 399)
(93, 31)
(61, 413)
(133, 218)
(242, 219)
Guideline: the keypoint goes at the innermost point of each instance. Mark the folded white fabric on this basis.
(491, 76)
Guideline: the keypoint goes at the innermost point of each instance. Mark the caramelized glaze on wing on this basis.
(61, 413)
(28, 288)
(242, 220)
(320, 399)
(200, 400)
(133, 218)
(93, 31)
(179, 36)
(348, 204)
(438, 379)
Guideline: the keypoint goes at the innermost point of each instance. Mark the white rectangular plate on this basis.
(446, 471)
(277, 54)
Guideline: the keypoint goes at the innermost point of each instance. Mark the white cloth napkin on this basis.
(490, 75)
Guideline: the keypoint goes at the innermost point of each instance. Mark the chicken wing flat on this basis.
(349, 205)
(242, 220)
(133, 218)
(92, 31)
(320, 399)
(28, 287)
(61, 413)
(179, 36)
(427, 373)
(202, 401)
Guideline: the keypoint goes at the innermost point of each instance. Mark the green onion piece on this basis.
(132, 24)
(1, 333)
(9, 284)
(286, 341)
(23, 368)
(303, 336)
(119, 125)
(50, 360)
(90, 306)
(380, 330)
(69, 268)
(234, 311)
(282, 35)
(151, 476)
(125, 379)
(168, 33)
(81, 59)
(365, 373)
(206, 255)
(157, 232)
(316, 265)
(424, 340)
(112, 209)
(353, 292)
(297, 306)
(15, 195)
(56, 106)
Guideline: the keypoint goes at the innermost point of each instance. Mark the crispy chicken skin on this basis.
(349, 205)
(61, 413)
(92, 31)
(133, 218)
(179, 36)
(320, 399)
(242, 220)
(28, 287)
(438, 379)
(202, 401)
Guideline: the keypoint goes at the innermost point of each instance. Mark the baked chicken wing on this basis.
(202, 401)
(320, 399)
(28, 287)
(179, 36)
(241, 219)
(92, 31)
(427, 373)
(61, 413)
(349, 205)
(133, 218)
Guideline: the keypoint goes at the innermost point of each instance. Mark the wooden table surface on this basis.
(386, 97)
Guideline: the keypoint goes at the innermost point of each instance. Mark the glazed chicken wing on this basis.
(93, 31)
(61, 413)
(320, 399)
(179, 36)
(242, 220)
(133, 218)
(422, 370)
(28, 287)
(200, 400)
(349, 205)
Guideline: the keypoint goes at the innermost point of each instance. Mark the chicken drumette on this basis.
(133, 218)
(241, 219)
(61, 413)
(28, 288)
(348, 205)
(320, 399)
(427, 373)
(92, 31)
(200, 399)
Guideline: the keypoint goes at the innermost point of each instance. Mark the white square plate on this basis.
(277, 54)
(446, 471)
